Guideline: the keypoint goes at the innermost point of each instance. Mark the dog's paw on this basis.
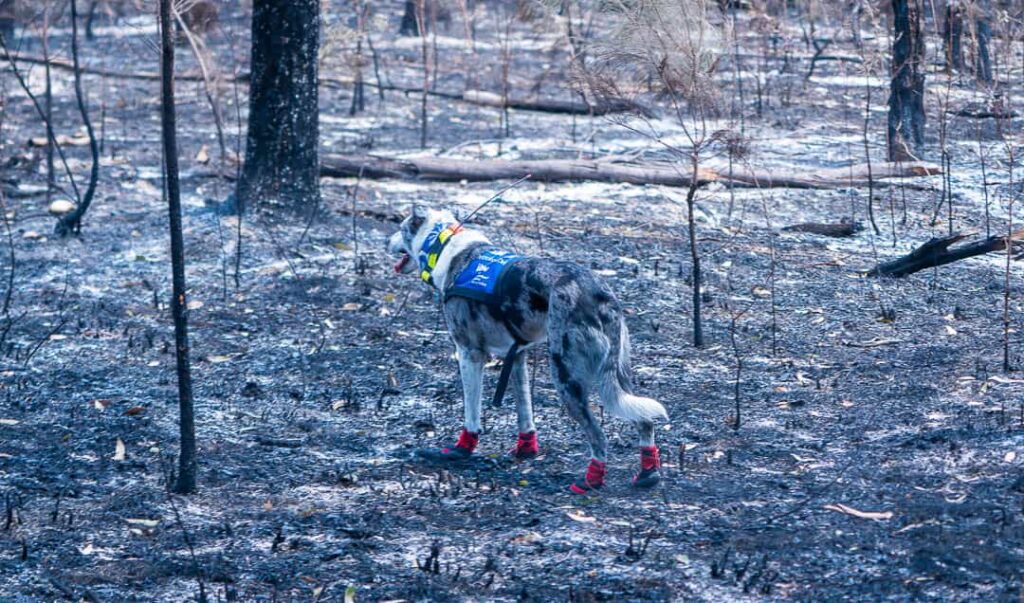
(647, 478)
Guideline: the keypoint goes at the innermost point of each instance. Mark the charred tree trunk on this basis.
(984, 35)
(281, 154)
(906, 94)
(187, 462)
(7, 21)
(953, 35)
(72, 223)
(409, 26)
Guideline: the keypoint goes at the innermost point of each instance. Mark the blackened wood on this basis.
(72, 222)
(936, 252)
(409, 26)
(570, 170)
(952, 36)
(187, 461)
(281, 154)
(839, 231)
(906, 90)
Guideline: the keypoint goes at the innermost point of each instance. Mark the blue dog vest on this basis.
(481, 279)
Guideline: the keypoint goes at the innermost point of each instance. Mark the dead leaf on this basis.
(145, 523)
(9, 422)
(135, 410)
(350, 594)
(875, 515)
(101, 404)
(527, 538)
(351, 307)
(1009, 457)
(119, 451)
(577, 515)
(203, 156)
(220, 359)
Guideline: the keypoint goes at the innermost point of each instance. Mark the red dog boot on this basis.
(461, 451)
(650, 462)
(526, 447)
(593, 480)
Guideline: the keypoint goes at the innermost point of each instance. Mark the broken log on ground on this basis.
(840, 231)
(473, 97)
(575, 170)
(937, 252)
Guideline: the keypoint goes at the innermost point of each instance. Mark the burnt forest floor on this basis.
(880, 444)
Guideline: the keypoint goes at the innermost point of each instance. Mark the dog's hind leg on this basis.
(471, 370)
(650, 462)
(526, 445)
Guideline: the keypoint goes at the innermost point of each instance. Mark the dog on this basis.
(499, 303)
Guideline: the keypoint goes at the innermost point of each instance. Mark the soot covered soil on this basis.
(879, 447)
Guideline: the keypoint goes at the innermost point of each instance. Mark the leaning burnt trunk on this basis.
(906, 92)
(281, 153)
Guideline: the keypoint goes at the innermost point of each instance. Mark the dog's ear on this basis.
(417, 218)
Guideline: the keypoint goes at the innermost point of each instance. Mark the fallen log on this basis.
(840, 231)
(474, 97)
(447, 169)
(936, 252)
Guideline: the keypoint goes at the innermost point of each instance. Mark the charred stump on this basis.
(281, 153)
(906, 92)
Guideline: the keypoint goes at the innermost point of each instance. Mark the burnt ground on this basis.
(319, 372)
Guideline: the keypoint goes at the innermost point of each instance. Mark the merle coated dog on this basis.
(498, 303)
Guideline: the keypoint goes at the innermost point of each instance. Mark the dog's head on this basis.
(408, 241)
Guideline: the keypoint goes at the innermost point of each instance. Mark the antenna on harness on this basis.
(495, 197)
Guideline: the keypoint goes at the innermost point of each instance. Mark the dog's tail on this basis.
(616, 383)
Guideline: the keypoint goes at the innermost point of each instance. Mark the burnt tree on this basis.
(953, 35)
(187, 462)
(7, 20)
(409, 26)
(281, 152)
(906, 91)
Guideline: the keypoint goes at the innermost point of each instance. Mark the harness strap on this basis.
(429, 255)
(506, 372)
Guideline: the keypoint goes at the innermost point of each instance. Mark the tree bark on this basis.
(952, 36)
(984, 35)
(568, 170)
(7, 20)
(282, 148)
(409, 26)
(187, 462)
(906, 94)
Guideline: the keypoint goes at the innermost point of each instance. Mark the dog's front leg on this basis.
(526, 445)
(471, 369)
